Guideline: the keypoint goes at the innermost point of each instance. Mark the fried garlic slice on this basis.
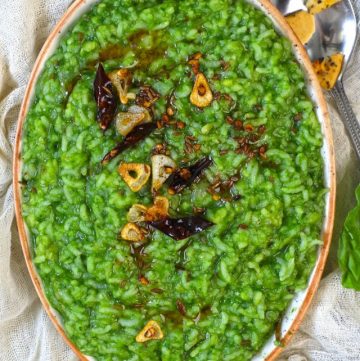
(159, 211)
(151, 331)
(135, 175)
(133, 233)
(162, 167)
(126, 121)
(121, 79)
(137, 109)
(137, 213)
(201, 95)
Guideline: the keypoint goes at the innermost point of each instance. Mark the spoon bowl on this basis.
(335, 32)
(287, 7)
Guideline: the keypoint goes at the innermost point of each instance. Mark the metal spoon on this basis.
(289, 6)
(335, 32)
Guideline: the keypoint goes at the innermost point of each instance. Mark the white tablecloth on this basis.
(331, 329)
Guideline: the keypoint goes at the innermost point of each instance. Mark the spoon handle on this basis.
(347, 114)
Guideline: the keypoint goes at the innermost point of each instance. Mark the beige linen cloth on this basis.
(331, 329)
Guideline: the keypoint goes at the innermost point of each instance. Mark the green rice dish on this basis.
(218, 294)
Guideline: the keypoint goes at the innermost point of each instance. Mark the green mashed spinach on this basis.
(218, 294)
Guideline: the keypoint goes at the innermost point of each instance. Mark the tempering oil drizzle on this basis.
(145, 56)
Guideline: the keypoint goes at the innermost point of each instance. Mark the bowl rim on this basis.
(271, 11)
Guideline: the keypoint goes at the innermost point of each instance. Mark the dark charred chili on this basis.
(181, 228)
(136, 135)
(104, 97)
(184, 177)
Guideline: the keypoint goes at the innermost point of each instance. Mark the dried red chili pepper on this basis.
(181, 228)
(184, 177)
(136, 135)
(104, 97)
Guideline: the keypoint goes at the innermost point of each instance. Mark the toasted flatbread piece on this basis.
(328, 70)
(303, 25)
(316, 6)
